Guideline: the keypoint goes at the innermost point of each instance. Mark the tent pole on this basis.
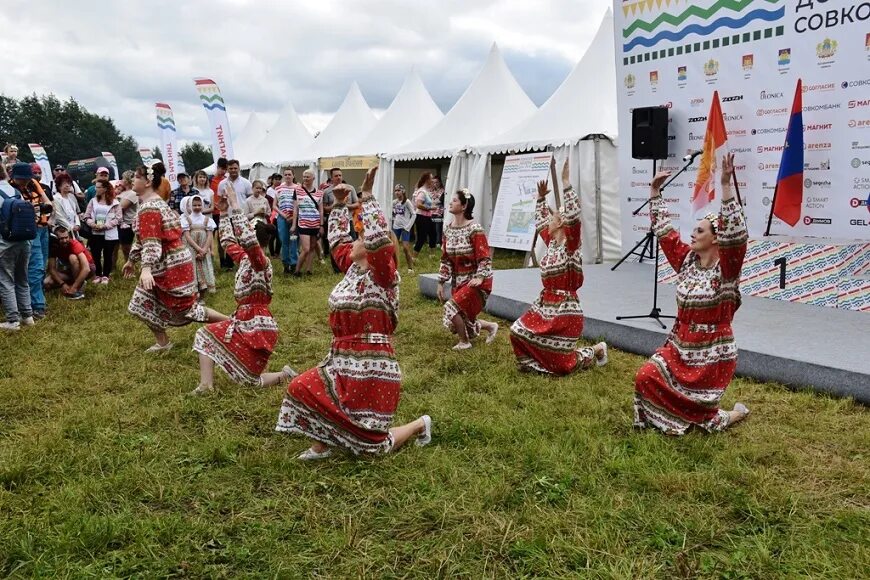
(599, 252)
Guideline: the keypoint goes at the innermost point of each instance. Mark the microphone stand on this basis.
(651, 244)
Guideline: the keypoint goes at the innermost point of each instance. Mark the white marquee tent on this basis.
(286, 140)
(492, 102)
(579, 121)
(353, 119)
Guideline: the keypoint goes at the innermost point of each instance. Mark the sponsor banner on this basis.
(41, 158)
(219, 123)
(752, 52)
(147, 155)
(350, 162)
(168, 141)
(513, 221)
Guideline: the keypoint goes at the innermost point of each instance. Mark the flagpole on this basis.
(772, 205)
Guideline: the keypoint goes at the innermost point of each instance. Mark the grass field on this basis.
(107, 468)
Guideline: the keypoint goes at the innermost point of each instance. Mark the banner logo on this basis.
(629, 81)
(826, 49)
(681, 73)
(748, 61)
(784, 56)
(711, 67)
(653, 77)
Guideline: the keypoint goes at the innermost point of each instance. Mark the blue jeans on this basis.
(36, 269)
(14, 287)
(289, 249)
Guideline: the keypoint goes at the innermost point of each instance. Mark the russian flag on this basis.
(789, 195)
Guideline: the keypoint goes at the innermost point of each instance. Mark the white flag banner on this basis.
(216, 109)
(112, 163)
(166, 124)
(147, 155)
(40, 157)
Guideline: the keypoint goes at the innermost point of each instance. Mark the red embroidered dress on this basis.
(172, 301)
(682, 383)
(464, 257)
(545, 338)
(350, 398)
(243, 344)
(338, 235)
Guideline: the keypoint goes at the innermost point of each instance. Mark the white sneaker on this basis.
(462, 346)
(312, 455)
(10, 326)
(158, 348)
(410, 271)
(603, 360)
(29, 321)
(425, 437)
(492, 333)
(202, 390)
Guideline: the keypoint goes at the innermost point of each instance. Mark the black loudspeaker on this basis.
(649, 133)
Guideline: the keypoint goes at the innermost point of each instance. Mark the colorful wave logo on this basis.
(210, 95)
(698, 28)
(165, 119)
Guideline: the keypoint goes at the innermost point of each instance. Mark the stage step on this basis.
(819, 272)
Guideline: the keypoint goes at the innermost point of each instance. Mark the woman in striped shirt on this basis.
(308, 220)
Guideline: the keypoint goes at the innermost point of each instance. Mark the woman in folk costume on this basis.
(682, 383)
(349, 400)
(545, 338)
(198, 230)
(166, 293)
(241, 345)
(466, 263)
(338, 228)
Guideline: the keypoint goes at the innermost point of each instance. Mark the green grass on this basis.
(108, 469)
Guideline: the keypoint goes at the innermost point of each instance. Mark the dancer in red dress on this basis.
(166, 294)
(466, 263)
(349, 400)
(241, 345)
(545, 338)
(682, 383)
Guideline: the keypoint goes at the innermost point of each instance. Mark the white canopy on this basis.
(285, 141)
(245, 145)
(411, 114)
(492, 102)
(353, 120)
(584, 104)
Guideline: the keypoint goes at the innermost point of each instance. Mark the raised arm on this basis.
(674, 248)
(542, 213)
(732, 234)
(376, 237)
(238, 237)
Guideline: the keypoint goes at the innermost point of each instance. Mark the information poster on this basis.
(513, 221)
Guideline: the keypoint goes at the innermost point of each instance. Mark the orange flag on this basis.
(715, 147)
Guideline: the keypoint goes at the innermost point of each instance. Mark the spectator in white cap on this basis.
(102, 173)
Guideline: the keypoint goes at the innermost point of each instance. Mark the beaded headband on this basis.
(713, 218)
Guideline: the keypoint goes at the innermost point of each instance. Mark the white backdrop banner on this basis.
(675, 54)
(112, 163)
(166, 124)
(513, 220)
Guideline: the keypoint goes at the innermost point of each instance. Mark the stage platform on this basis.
(799, 345)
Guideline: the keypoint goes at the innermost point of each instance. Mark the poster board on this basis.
(513, 220)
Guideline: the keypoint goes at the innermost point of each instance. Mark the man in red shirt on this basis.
(69, 265)
(220, 175)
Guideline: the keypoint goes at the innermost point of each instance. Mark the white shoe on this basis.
(410, 271)
(492, 333)
(158, 348)
(10, 326)
(425, 438)
(742, 409)
(289, 373)
(29, 321)
(202, 390)
(462, 346)
(311, 455)
(603, 360)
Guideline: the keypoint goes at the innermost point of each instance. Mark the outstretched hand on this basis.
(657, 182)
(542, 189)
(727, 168)
(230, 196)
(368, 184)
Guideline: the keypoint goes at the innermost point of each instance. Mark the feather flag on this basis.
(166, 124)
(788, 198)
(715, 147)
(219, 123)
(40, 157)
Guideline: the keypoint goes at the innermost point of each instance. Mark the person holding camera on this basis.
(30, 190)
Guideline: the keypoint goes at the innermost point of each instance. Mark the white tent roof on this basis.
(353, 120)
(492, 102)
(411, 114)
(245, 145)
(285, 141)
(584, 104)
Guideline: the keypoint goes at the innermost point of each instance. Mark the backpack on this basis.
(17, 218)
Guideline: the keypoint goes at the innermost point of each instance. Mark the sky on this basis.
(117, 58)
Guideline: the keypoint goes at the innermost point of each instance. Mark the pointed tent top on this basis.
(353, 118)
(579, 107)
(244, 146)
(412, 113)
(492, 102)
(287, 138)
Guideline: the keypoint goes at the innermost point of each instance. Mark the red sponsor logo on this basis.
(854, 104)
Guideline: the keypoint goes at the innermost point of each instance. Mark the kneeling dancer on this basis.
(350, 398)
(544, 339)
(466, 263)
(682, 383)
(241, 345)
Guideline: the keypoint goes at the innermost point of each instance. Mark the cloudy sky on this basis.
(118, 57)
